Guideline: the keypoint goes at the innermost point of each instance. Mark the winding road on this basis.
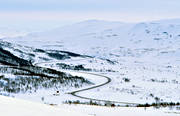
(75, 93)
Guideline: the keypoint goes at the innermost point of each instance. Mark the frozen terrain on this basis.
(141, 60)
(26, 108)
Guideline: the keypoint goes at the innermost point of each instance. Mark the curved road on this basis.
(74, 93)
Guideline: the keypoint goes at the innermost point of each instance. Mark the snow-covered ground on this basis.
(141, 59)
(146, 80)
(50, 97)
(124, 111)
(16, 107)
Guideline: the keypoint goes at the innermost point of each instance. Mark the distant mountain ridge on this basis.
(101, 38)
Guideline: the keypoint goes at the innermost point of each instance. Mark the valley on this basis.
(95, 61)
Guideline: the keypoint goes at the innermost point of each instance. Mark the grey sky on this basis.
(89, 5)
(78, 10)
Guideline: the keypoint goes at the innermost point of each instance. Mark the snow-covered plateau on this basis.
(122, 63)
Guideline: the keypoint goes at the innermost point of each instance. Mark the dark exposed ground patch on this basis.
(30, 79)
(71, 67)
(9, 59)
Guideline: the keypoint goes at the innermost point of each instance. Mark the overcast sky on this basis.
(51, 12)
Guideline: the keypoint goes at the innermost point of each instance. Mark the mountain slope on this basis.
(146, 54)
(9, 59)
(99, 38)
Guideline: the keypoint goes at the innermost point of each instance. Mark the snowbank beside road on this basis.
(16, 107)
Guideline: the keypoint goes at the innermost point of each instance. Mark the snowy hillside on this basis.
(127, 63)
(16, 107)
(99, 38)
(79, 29)
(26, 108)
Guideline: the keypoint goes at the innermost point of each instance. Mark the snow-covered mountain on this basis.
(79, 29)
(99, 38)
(146, 54)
